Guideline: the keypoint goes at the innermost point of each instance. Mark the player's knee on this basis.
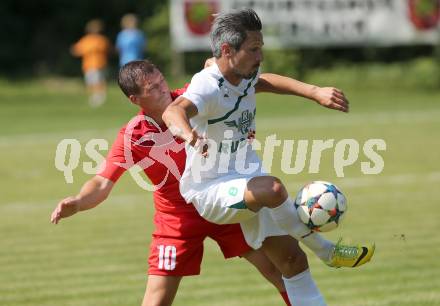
(294, 264)
(276, 192)
(269, 191)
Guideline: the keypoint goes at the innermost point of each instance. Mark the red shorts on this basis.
(177, 245)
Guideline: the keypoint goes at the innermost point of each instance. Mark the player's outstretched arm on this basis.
(176, 116)
(329, 97)
(92, 193)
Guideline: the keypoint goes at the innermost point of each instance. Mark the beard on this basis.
(248, 76)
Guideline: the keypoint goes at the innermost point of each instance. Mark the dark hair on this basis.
(231, 28)
(132, 74)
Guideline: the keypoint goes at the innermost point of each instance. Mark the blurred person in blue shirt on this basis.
(130, 42)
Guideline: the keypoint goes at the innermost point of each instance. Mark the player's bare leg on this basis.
(262, 262)
(97, 94)
(161, 290)
(269, 191)
(285, 253)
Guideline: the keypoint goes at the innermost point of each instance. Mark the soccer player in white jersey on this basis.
(226, 183)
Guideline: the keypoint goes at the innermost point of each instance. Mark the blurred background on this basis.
(384, 54)
(37, 36)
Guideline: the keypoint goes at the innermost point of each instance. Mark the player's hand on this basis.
(199, 143)
(65, 208)
(332, 98)
(202, 146)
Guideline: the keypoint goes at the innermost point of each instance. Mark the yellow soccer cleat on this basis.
(350, 256)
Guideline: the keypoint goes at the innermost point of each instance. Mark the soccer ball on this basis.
(321, 206)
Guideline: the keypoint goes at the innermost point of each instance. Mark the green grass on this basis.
(100, 257)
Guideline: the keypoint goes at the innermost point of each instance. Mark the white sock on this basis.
(287, 219)
(322, 247)
(302, 290)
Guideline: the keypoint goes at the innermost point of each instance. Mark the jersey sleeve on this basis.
(202, 92)
(178, 92)
(112, 168)
(78, 47)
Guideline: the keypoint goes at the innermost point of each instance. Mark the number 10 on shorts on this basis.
(167, 257)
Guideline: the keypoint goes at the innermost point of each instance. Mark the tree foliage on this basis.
(159, 42)
(36, 35)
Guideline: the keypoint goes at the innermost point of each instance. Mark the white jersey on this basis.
(226, 116)
(216, 185)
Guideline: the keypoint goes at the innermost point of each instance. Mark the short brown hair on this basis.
(132, 74)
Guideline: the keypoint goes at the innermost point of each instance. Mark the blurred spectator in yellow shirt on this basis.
(94, 49)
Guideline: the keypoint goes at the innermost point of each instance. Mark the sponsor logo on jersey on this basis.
(244, 122)
(233, 191)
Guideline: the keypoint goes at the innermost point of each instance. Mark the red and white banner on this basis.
(296, 23)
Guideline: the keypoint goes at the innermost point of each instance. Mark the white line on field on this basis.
(353, 182)
(374, 180)
(353, 119)
(126, 198)
(50, 137)
(263, 123)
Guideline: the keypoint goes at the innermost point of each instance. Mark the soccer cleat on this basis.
(350, 256)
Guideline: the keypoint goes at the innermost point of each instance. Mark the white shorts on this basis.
(222, 202)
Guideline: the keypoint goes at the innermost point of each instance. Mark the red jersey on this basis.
(161, 155)
(177, 245)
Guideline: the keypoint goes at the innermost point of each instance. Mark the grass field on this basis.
(99, 257)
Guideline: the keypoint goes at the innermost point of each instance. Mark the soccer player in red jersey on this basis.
(176, 248)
